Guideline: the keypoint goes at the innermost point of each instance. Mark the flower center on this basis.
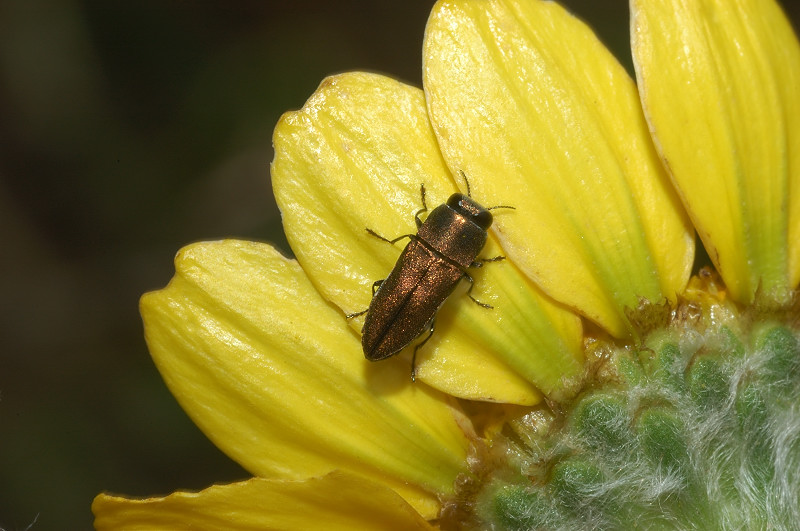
(696, 424)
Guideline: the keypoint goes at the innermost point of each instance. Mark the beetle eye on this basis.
(454, 202)
(483, 219)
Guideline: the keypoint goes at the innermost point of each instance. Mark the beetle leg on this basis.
(387, 240)
(424, 206)
(469, 294)
(416, 348)
(375, 286)
(480, 261)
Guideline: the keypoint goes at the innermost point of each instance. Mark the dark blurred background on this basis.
(127, 130)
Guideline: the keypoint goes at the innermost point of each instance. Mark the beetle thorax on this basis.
(453, 231)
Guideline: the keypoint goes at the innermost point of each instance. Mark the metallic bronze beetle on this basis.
(405, 304)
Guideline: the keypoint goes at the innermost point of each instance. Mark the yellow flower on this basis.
(524, 101)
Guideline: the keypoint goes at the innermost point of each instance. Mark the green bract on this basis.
(698, 429)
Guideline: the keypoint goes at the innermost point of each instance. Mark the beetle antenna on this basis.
(464, 175)
(469, 192)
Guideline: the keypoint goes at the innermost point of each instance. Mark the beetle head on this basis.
(470, 209)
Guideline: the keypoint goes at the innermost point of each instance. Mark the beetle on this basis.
(428, 270)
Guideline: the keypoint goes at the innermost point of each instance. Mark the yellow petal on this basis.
(529, 103)
(535, 336)
(275, 378)
(720, 81)
(354, 158)
(336, 501)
